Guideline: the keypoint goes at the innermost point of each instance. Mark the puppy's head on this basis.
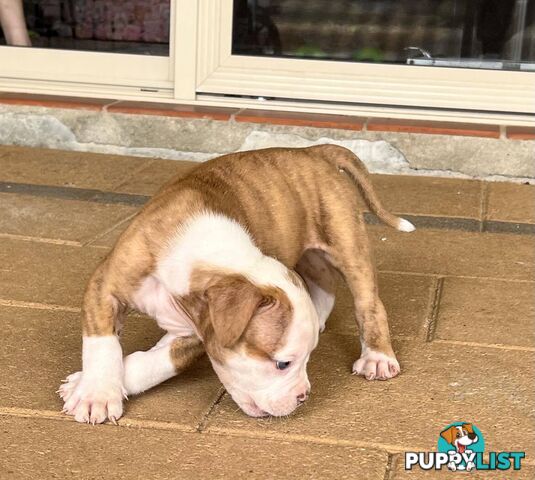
(258, 335)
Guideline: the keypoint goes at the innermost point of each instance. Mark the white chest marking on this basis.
(155, 300)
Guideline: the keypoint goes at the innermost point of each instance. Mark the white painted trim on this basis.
(209, 32)
(185, 20)
(80, 66)
(409, 113)
(165, 95)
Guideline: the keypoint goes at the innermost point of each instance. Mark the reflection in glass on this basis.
(13, 23)
(495, 34)
(120, 26)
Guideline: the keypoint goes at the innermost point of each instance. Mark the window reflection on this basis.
(121, 26)
(496, 34)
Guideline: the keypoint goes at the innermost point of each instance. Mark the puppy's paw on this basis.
(90, 401)
(376, 366)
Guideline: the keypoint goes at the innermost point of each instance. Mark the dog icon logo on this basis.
(463, 440)
(461, 448)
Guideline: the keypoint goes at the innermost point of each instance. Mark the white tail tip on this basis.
(405, 226)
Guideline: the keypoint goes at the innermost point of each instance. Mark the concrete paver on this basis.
(454, 253)
(57, 449)
(487, 311)
(53, 218)
(45, 273)
(148, 180)
(429, 195)
(511, 203)
(407, 300)
(42, 166)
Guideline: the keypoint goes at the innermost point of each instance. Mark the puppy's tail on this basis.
(347, 161)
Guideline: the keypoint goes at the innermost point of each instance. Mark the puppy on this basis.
(213, 259)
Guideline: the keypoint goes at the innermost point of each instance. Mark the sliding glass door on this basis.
(454, 54)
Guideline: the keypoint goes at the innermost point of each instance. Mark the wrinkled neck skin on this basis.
(254, 383)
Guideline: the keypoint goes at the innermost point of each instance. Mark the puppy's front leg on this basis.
(97, 393)
(170, 356)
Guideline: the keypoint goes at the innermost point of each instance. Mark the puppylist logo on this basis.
(461, 447)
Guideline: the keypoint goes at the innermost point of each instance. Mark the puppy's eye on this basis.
(282, 365)
(458, 435)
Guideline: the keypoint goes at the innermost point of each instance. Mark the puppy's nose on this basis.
(302, 397)
(472, 436)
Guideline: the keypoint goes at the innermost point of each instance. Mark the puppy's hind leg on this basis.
(351, 254)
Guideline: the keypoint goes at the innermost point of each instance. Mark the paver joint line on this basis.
(289, 437)
(394, 450)
(204, 420)
(72, 193)
(108, 230)
(483, 206)
(158, 425)
(390, 466)
(133, 174)
(38, 306)
(475, 277)
(420, 221)
(53, 241)
(494, 226)
(498, 346)
(435, 305)
(123, 423)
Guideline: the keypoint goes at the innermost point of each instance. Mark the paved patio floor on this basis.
(459, 292)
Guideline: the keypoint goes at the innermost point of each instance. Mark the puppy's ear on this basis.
(232, 302)
(449, 434)
(468, 427)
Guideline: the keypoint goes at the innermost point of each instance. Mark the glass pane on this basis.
(114, 26)
(491, 34)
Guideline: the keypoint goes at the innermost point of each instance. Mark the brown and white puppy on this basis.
(212, 257)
